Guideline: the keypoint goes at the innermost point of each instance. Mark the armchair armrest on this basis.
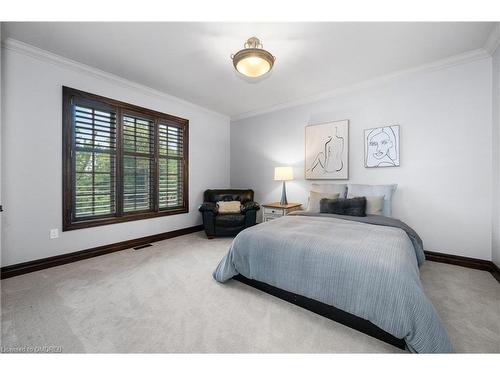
(249, 206)
(208, 207)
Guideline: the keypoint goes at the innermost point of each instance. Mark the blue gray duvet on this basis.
(365, 266)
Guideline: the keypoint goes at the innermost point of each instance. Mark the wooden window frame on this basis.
(67, 173)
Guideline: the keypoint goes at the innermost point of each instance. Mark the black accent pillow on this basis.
(342, 206)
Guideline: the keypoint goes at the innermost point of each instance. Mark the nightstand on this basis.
(274, 210)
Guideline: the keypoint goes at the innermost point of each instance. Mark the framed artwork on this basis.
(327, 151)
(382, 147)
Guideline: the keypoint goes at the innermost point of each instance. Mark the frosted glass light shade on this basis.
(253, 61)
(253, 66)
(283, 173)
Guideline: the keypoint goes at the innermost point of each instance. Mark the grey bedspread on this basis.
(365, 266)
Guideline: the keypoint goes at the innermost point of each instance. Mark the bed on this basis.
(360, 271)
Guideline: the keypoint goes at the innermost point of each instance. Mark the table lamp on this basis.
(283, 174)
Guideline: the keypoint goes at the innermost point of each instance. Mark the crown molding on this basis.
(493, 40)
(462, 58)
(46, 56)
(26, 49)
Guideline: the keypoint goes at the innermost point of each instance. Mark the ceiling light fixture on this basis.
(253, 61)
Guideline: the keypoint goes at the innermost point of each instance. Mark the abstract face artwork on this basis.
(382, 147)
(327, 150)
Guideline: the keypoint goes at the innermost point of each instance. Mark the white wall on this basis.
(445, 176)
(495, 250)
(31, 163)
(1, 151)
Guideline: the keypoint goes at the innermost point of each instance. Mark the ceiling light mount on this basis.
(253, 61)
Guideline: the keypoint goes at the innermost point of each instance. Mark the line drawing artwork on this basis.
(327, 150)
(382, 147)
(324, 159)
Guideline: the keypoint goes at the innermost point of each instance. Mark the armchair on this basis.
(227, 224)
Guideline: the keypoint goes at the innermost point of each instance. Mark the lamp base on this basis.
(283, 200)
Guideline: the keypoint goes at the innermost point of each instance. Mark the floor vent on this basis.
(142, 246)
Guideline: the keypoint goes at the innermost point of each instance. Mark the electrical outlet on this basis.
(54, 233)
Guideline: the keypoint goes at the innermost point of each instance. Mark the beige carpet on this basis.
(163, 299)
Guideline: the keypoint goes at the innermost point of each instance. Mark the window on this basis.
(138, 164)
(171, 184)
(120, 162)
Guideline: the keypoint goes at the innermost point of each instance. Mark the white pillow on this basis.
(375, 190)
(315, 197)
(230, 207)
(330, 188)
(374, 204)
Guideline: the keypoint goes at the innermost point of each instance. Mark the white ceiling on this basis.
(192, 60)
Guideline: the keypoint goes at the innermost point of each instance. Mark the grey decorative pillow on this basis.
(343, 206)
(330, 188)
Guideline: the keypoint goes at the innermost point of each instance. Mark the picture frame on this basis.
(327, 151)
(382, 147)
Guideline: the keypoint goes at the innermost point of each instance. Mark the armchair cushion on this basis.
(229, 207)
(250, 206)
(230, 220)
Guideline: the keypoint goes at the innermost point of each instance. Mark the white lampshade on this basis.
(283, 173)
